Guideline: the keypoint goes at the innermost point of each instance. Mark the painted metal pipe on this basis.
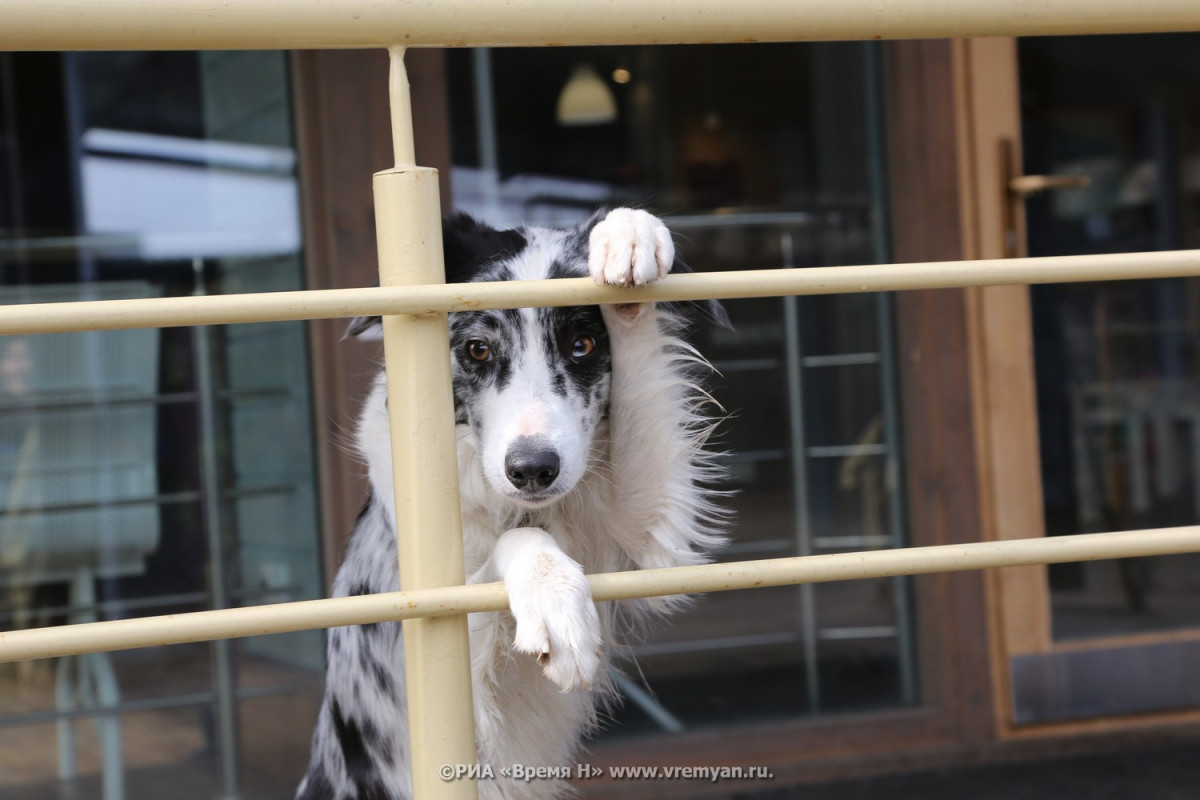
(300, 24)
(457, 600)
(439, 297)
(437, 656)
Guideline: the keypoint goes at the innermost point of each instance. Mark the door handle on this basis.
(1016, 188)
(1024, 186)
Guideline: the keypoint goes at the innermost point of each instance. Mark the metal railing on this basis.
(415, 302)
(298, 24)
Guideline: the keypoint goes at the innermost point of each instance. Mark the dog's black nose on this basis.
(531, 466)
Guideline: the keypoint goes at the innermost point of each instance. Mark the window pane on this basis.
(154, 471)
(749, 174)
(1117, 363)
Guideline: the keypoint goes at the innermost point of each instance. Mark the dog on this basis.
(581, 442)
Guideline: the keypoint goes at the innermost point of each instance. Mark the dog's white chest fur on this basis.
(580, 448)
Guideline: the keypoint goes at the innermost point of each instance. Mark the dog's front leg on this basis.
(552, 603)
(658, 513)
(629, 247)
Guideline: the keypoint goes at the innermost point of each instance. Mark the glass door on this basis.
(1117, 369)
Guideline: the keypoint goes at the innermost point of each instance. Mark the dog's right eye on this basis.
(479, 350)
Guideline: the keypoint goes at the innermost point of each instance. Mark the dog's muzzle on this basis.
(531, 465)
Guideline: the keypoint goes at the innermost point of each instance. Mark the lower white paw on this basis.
(629, 248)
(556, 618)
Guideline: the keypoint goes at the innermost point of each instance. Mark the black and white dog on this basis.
(581, 448)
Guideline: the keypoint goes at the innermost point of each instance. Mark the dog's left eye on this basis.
(582, 347)
(479, 350)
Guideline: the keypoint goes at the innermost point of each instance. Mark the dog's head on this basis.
(533, 383)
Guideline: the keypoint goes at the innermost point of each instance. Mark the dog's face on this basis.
(533, 386)
(533, 383)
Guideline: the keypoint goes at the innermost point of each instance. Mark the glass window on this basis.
(153, 471)
(758, 157)
(1118, 364)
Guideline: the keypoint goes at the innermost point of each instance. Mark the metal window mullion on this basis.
(897, 518)
(420, 406)
(889, 384)
(794, 373)
(222, 655)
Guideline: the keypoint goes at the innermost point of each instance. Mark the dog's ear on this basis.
(367, 329)
(711, 310)
(468, 246)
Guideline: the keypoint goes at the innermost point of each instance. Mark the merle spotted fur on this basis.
(581, 445)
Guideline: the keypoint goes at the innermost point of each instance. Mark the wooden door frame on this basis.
(1000, 332)
(930, 221)
(1000, 336)
(343, 136)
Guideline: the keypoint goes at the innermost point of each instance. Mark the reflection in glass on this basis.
(1118, 364)
(152, 471)
(749, 174)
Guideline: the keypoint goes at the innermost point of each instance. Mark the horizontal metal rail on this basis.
(430, 298)
(298, 24)
(451, 600)
(437, 660)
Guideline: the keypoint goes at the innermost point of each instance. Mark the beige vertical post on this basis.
(421, 408)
